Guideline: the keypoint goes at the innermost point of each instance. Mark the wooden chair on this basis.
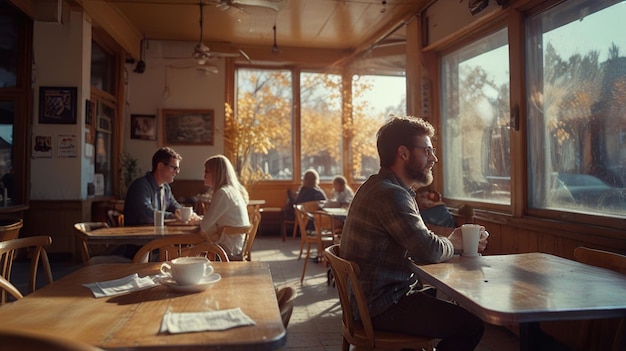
(321, 236)
(22, 340)
(285, 297)
(85, 252)
(36, 246)
(361, 333)
(10, 228)
(6, 286)
(289, 216)
(178, 246)
(615, 262)
(254, 213)
(115, 218)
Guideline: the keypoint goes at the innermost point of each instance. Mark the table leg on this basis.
(529, 336)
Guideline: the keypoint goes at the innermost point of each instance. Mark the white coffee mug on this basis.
(471, 237)
(185, 213)
(187, 270)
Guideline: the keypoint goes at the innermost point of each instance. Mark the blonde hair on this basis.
(224, 174)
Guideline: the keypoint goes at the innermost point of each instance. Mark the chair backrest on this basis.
(601, 258)
(288, 211)
(22, 340)
(285, 297)
(85, 227)
(302, 218)
(115, 218)
(174, 246)
(346, 278)
(10, 228)
(254, 214)
(37, 245)
(6, 285)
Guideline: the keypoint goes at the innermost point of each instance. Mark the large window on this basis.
(576, 108)
(330, 127)
(259, 131)
(320, 127)
(475, 114)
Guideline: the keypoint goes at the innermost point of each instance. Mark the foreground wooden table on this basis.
(527, 289)
(132, 321)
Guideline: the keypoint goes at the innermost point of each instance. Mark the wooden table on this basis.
(132, 321)
(527, 289)
(137, 235)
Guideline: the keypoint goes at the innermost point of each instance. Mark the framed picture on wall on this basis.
(143, 127)
(57, 105)
(187, 127)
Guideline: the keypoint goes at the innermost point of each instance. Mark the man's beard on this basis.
(423, 176)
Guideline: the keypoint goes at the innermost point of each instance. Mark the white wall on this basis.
(62, 55)
(174, 84)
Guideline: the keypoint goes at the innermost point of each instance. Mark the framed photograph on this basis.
(187, 127)
(57, 105)
(143, 127)
(90, 111)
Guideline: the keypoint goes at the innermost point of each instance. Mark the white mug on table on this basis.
(187, 270)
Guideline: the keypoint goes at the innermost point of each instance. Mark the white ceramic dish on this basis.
(203, 285)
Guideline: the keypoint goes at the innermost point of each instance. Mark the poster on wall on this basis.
(57, 105)
(67, 146)
(42, 146)
(143, 127)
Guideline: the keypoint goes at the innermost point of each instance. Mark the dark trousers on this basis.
(424, 315)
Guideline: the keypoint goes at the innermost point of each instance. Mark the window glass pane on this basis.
(9, 41)
(106, 114)
(374, 99)
(7, 116)
(320, 101)
(102, 69)
(577, 115)
(475, 115)
(261, 125)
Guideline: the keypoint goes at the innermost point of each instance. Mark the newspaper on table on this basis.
(185, 322)
(123, 285)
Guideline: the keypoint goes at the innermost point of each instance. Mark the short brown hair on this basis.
(163, 155)
(398, 131)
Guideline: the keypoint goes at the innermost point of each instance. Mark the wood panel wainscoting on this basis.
(528, 234)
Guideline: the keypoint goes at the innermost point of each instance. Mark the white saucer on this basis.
(201, 286)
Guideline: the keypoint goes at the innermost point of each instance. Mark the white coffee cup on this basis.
(471, 237)
(159, 218)
(187, 270)
(185, 213)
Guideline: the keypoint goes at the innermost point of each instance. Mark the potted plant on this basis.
(129, 170)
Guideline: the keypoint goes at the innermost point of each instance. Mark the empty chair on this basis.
(81, 229)
(22, 340)
(178, 246)
(322, 236)
(37, 252)
(10, 228)
(361, 333)
(615, 262)
(6, 286)
(289, 217)
(285, 297)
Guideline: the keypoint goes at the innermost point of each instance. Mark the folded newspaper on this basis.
(120, 286)
(185, 322)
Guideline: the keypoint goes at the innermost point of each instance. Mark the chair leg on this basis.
(306, 260)
(301, 247)
(295, 229)
(283, 230)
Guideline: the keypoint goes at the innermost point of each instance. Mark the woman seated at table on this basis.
(228, 205)
(310, 189)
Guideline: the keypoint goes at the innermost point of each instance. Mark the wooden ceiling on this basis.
(342, 27)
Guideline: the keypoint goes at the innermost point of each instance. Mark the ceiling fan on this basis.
(224, 5)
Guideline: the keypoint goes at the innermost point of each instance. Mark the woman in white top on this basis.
(228, 205)
(342, 193)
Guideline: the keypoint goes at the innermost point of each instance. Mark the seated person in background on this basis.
(152, 191)
(310, 189)
(228, 206)
(342, 193)
(434, 212)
